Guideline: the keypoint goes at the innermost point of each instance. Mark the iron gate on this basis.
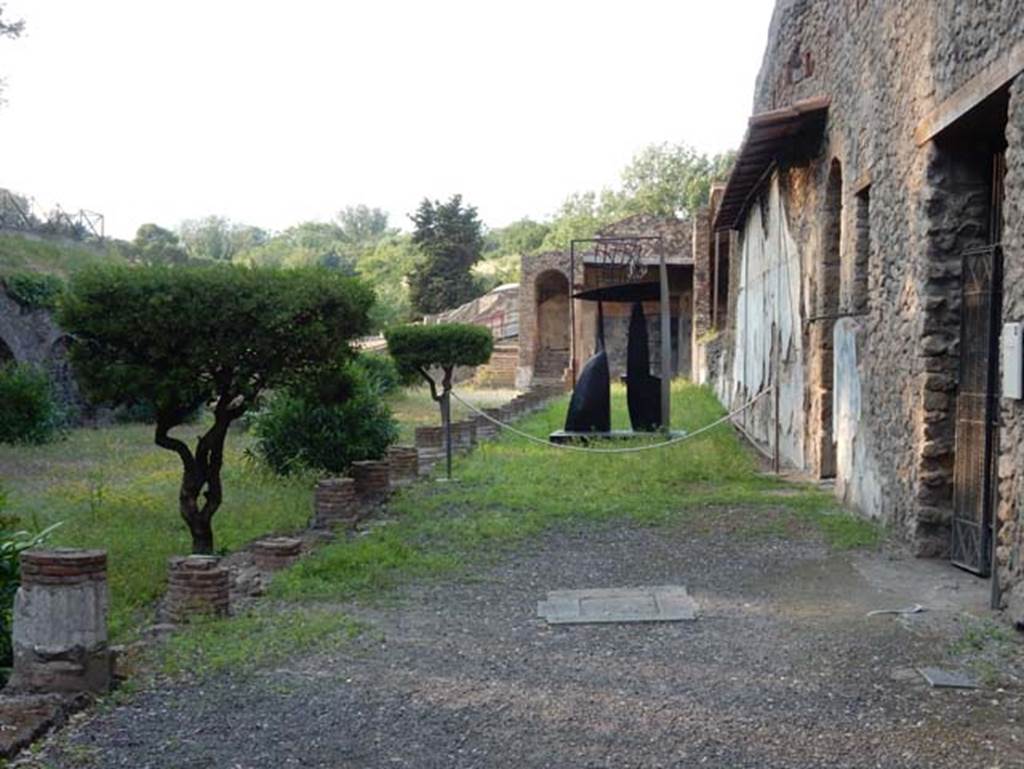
(977, 412)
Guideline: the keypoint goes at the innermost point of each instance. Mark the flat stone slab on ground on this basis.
(948, 679)
(667, 603)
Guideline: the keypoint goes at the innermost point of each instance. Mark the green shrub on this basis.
(180, 337)
(381, 372)
(325, 425)
(33, 290)
(445, 345)
(29, 411)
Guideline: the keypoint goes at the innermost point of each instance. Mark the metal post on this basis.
(718, 266)
(666, 343)
(776, 458)
(572, 311)
(446, 420)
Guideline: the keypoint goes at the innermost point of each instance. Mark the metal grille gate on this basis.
(977, 410)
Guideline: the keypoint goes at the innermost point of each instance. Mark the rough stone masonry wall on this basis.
(886, 66)
(1011, 461)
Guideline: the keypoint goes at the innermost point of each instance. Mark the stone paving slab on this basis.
(665, 603)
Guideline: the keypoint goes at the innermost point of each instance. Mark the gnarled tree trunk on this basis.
(201, 493)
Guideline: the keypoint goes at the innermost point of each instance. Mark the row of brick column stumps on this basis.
(60, 612)
(348, 500)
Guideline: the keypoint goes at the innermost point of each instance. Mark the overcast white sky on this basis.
(271, 113)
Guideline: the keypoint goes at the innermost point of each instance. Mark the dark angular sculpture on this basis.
(590, 409)
(643, 391)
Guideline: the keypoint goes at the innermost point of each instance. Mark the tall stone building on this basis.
(872, 232)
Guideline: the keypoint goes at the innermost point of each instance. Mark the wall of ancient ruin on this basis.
(1011, 461)
(892, 355)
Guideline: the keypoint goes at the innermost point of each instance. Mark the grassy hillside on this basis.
(55, 257)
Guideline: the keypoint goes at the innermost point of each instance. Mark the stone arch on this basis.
(551, 289)
(6, 353)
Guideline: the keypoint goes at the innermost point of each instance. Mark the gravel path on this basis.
(782, 669)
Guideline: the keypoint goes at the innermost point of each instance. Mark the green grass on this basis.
(252, 640)
(55, 257)
(114, 489)
(512, 489)
(413, 407)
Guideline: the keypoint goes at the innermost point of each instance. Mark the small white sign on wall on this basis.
(1012, 363)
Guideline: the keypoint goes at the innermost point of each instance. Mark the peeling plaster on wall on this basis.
(857, 480)
(768, 313)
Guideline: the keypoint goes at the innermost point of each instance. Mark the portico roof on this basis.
(768, 133)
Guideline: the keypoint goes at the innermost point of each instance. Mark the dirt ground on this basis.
(782, 668)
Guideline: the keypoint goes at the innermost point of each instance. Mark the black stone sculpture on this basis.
(590, 410)
(643, 391)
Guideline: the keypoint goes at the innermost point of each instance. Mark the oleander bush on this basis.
(325, 425)
(29, 409)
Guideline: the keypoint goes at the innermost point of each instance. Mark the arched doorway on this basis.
(552, 357)
(6, 354)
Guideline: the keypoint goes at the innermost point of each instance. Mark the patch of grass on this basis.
(114, 489)
(413, 407)
(989, 649)
(256, 639)
(511, 489)
(49, 256)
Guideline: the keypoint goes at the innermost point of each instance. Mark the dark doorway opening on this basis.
(553, 332)
(975, 151)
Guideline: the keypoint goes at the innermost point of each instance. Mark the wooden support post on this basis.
(666, 343)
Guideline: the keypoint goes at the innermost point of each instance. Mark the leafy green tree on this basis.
(423, 350)
(303, 245)
(671, 179)
(362, 226)
(385, 267)
(581, 216)
(155, 245)
(177, 339)
(524, 236)
(218, 239)
(450, 239)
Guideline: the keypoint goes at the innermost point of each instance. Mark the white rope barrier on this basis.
(626, 450)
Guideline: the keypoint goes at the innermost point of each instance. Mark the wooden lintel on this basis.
(971, 94)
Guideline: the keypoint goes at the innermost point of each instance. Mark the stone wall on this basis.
(32, 336)
(1011, 454)
(880, 367)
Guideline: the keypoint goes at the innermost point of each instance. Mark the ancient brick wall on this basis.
(882, 375)
(532, 268)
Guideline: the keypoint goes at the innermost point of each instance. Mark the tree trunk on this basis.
(200, 477)
(202, 538)
(446, 422)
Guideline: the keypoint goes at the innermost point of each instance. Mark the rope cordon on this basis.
(625, 450)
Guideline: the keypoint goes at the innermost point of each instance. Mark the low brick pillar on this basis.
(373, 481)
(429, 447)
(405, 464)
(463, 435)
(276, 553)
(495, 413)
(197, 584)
(485, 428)
(60, 623)
(335, 502)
